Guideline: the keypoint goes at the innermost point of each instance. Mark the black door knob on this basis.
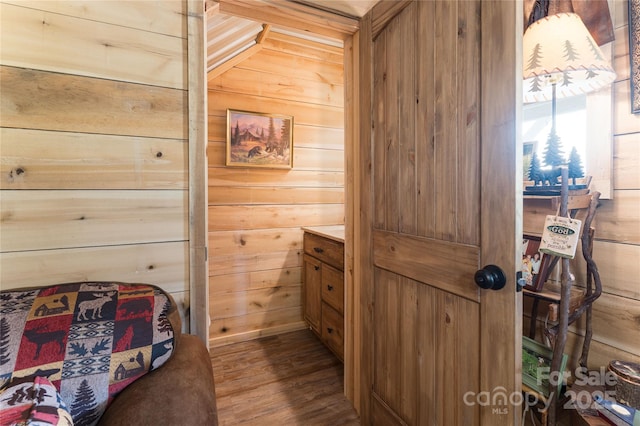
(491, 277)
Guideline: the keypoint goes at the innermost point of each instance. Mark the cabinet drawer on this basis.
(329, 251)
(333, 329)
(333, 287)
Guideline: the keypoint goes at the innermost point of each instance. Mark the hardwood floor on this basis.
(290, 379)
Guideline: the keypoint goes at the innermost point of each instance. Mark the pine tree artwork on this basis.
(575, 165)
(553, 155)
(553, 158)
(284, 136)
(85, 404)
(534, 60)
(4, 341)
(235, 139)
(256, 139)
(570, 53)
(164, 325)
(271, 137)
(535, 172)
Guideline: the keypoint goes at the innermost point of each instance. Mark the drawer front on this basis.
(333, 330)
(329, 251)
(333, 287)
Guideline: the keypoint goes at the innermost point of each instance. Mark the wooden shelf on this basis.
(580, 201)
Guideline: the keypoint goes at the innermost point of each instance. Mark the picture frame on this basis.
(536, 367)
(634, 54)
(257, 139)
(534, 271)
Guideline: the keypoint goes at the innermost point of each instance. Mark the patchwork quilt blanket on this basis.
(90, 340)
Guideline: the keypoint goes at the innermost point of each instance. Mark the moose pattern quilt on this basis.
(89, 339)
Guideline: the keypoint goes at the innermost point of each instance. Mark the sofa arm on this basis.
(181, 392)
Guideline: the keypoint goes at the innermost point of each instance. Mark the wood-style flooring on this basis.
(289, 379)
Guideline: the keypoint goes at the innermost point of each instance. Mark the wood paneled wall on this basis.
(616, 314)
(94, 143)
(256, 215)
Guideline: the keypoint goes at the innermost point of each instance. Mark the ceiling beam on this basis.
(292, 15)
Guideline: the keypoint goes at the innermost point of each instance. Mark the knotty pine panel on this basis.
(254, 241)
(619, 268)
(36, 220)
(254, 280)
(285, 87)
(275, 62)
(303, 113)
(230, 176)
(36, 159)
(230, 218)
(619, 219)
(162, 264)
(318, 137)
(50, 101)
(318, 159)
(626, 161)
(226, 305)
(264, 195)
(107, 51)
(600, 354)
(303, 48)
(610, 309)
(161, 18)
(233, 264)
(247, 327)
(615, 271)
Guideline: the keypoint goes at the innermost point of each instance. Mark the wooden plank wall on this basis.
(94, 143)
(256, 215)
(616, 314)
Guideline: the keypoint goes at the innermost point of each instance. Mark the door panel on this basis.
(447, 265)
(426, 351)
(428, 331)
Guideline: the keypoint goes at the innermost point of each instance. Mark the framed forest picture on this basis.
(256, 139)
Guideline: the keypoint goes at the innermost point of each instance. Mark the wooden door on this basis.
(438, 168)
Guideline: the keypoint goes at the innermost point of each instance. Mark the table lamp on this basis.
(561, 59)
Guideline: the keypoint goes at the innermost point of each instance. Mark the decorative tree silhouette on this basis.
(4, 341)
(235, 138)
(271, 136)
(164, 326)
(83, 409)
(575, 165)
(535, 172)
(284, 136)
(553, 156)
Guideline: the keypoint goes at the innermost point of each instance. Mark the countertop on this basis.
(333, 232)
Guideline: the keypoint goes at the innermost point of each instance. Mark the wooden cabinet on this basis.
(324, 289)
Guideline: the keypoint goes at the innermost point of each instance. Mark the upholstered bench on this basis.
(113, 352)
